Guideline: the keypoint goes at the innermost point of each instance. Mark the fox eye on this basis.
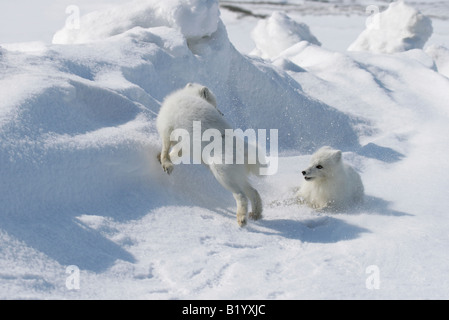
(319, 166)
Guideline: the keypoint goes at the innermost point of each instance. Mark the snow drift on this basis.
(399, 28)
(277, 33)
(192, 18)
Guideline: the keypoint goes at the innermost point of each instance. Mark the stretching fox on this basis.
(196, 103)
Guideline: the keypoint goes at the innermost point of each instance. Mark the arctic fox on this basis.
(330, 183)
(196, 103)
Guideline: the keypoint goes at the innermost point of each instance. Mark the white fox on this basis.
(194, 103)
(329, 182)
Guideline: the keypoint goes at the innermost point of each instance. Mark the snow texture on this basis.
(277, 33)
(81, 188)
(399, 28)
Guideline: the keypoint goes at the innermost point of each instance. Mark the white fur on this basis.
(197, 103)
(329, 182)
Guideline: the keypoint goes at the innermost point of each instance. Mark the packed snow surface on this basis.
(81, 188)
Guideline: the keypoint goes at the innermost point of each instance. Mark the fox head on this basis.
(203, 92)
(323, 164)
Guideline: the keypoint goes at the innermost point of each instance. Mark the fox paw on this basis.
(168, 167)
(255, 215)
(241, 220)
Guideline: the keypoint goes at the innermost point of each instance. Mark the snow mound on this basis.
(80, 127)
(277, 33)
(193, 18)
(440, 55)
(399, 28)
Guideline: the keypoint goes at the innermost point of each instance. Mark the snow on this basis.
(277, 33)
(399, 28)
(81, 186)
(193, 18)
(440, 55)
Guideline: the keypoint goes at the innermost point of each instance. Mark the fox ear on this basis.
(205, 93)
(337, 155)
